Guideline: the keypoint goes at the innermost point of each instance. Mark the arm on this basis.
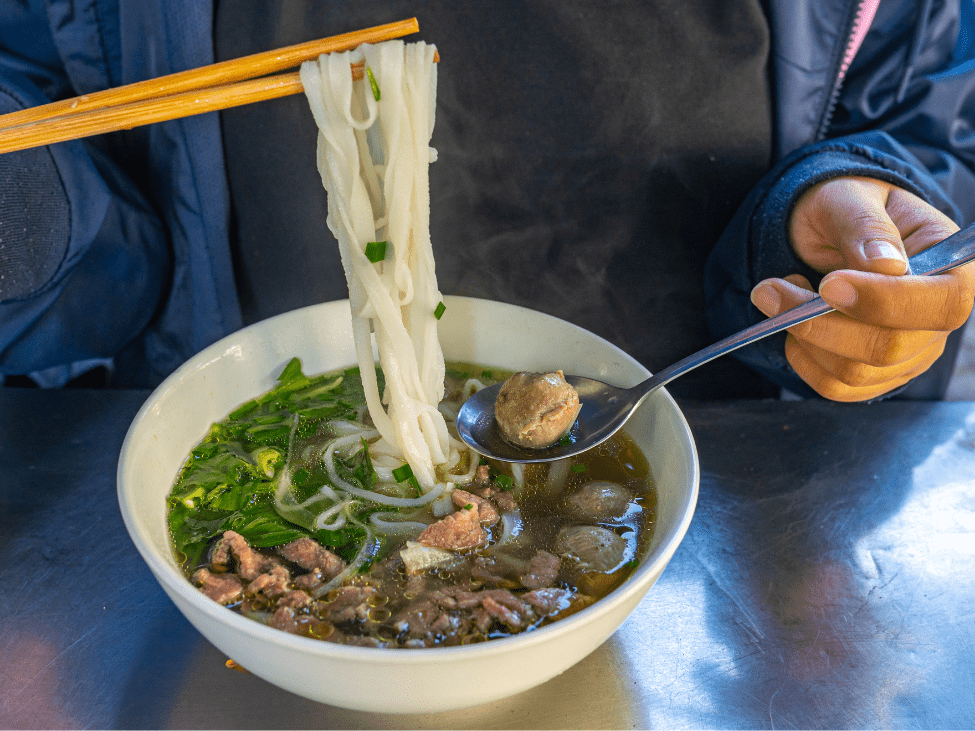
(83, 257)
(919, 156)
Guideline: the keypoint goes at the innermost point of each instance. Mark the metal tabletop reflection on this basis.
(826, 582)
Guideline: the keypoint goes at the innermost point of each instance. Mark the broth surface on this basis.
(255, 526)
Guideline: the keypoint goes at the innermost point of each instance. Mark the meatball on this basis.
(535, 410)
(600, 500)
(591, 548)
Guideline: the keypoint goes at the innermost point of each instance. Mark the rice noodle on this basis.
(387, 524)
(373, 156)
(370, 546)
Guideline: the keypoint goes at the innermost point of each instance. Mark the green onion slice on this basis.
(441, 308)
(376, 251)
(403, 473)
(504, 481)
(373, 84)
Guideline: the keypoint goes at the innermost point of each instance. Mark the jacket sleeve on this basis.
(84, 259)
(918, 136)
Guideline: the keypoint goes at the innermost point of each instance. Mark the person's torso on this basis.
(589, 157)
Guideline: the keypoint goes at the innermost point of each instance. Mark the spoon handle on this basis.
(957, 249)
(806, 311)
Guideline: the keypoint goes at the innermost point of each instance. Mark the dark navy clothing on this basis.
(589, 156)
(589, 163)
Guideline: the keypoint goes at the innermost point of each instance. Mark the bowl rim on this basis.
(169, 575)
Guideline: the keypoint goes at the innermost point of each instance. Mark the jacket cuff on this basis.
(756, 245)
(858, 156)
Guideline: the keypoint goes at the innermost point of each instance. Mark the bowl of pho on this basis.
(299, 490)
(541, 590)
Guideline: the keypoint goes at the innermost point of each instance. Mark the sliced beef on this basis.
(272, 584)
(487, 513)
(548, 601)
(498, 571)
(482, 477)
(542, 570)
(284, 619)
(483, 619)
(502, 613)
(310, 581)
(294, 599)
(358, 640)
(417, 619)
(455, 597)
(309, 555)
(222, 588)
(456, 532)
(502, 499)
(232, 546)
(346, 604)
(414, 586)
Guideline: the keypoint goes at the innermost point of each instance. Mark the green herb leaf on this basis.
(358, 468)
(578, 468)
(291, 372)
(376, 251)
(441, 308)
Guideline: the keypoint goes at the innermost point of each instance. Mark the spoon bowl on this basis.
(606, 408)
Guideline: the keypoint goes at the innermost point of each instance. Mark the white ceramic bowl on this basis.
(245, 364)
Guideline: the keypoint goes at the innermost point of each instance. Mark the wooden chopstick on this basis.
(218, 86)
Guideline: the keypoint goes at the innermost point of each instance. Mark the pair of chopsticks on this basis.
(218, 86)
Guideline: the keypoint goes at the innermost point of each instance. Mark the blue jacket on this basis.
(149, 207)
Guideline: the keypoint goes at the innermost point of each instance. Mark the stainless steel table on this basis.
(827, 581)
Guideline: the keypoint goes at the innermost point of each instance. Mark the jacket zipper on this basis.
(843, 65)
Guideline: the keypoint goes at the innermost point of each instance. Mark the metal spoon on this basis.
(606, 408)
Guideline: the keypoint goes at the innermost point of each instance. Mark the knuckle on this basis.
(889, 348)
(871, 223)
(958, 306)
(856, 374)
(835, 390)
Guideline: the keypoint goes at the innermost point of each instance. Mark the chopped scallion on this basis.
(469, 506)
(403, 473)
(579, 468)
(376, 251)
(373, 84)
(505, 482)
(441, 308)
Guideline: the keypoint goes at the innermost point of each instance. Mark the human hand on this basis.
(888, 328)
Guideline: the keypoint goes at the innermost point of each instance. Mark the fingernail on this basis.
(838, 292)
(766, 298)
(879, 249)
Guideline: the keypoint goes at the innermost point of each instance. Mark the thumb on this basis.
(851, 218)
(868, 237)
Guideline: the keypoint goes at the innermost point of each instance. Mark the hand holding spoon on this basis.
(606, 408)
